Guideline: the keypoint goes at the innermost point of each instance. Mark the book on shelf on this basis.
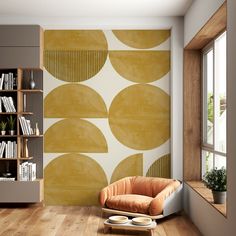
(25, 126)
(8, 104)
(8, 81)
(27, 171)
(10, 149)
(7, 179)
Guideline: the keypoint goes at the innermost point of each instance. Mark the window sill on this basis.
(205, 193)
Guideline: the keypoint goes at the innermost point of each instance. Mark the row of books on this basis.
(9, 149)
(25, 126)
(27, 171)
(8, 104)
(8, 82)
(7, 179)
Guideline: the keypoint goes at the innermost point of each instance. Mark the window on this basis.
(214, 105)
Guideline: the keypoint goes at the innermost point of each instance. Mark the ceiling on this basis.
(94, 8)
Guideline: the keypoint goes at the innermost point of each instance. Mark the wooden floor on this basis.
(84, 221)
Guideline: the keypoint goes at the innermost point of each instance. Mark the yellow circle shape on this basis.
(75, 40)
(141, 66)
(142, 39)
(130, 166)
(73, 179)
(74, 135)
(74, 55)
(74, 101)
(139, 117)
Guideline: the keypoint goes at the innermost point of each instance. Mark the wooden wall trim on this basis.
(192, 115)
(216, 24)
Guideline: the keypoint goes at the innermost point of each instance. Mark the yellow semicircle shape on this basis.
(73, 179)
(74, 55)
(139, 117)
(74, 135)
(141, 66)
(74, 101)
(160, 168)
(75, 40)
(131, 166)
(142, 39)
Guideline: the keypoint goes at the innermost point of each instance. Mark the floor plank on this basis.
(79, 221)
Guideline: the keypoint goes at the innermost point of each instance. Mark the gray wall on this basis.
(205, 217)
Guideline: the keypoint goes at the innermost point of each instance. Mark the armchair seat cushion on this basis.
(130, 202)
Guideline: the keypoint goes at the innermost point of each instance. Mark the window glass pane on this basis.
(207, 162)
(208, 100)
(220, 161)
(220, 93)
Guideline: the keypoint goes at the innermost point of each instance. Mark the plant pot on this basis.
(11, 132)
(219, 197)
(3, 132)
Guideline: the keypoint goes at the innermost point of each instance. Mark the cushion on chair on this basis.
(149, 186)
(130, 202)
(120, 187)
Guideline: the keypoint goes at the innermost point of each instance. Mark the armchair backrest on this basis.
(149, 186)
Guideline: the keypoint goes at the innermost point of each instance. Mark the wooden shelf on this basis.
(21, 136)
(25, 158)
(8, 91)
(206, 194)
(23, 91)
(17, 113)
(25, 113)
(31, 91)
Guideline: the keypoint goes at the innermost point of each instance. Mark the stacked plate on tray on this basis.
(118, 219)
(139, 221)
(142, 221)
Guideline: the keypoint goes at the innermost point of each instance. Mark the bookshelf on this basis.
(29, 104)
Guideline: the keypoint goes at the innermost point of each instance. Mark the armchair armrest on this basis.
(157, 204)
(122, 186)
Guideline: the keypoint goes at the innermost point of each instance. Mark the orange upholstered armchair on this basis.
(139, 195)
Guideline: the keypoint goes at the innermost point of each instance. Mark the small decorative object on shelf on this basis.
(32, 82)
(3, 126)
(7, 174)
(25, 150)
(36, 129)
(11, 124)
(216, 180)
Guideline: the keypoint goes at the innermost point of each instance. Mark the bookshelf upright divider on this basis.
(19, 84)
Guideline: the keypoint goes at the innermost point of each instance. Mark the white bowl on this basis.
(118, 219)
(141, 221)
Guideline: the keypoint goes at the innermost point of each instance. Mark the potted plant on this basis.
(11, 124)
(216, 180)
(3, 126)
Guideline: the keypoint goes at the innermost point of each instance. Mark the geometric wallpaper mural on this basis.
(106, 108)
